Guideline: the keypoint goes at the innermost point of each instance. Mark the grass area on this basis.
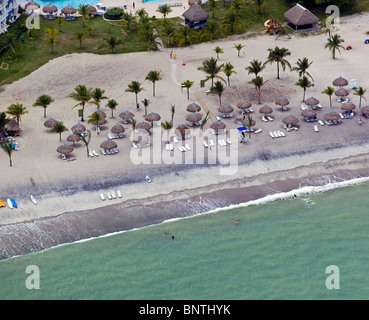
(35, 52)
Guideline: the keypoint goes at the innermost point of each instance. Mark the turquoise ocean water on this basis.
(279, 250)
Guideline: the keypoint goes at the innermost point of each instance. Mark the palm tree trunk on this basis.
(145, 111)
(10, 160)
(60, 136)
(88, 151)
(153, 88)
(44, 112)
(229, 83)
(220, 99)
(258, 90)
(360, 103)
(303, 98)
(80, 43)
(238, 52)
(136, 100)
(83, 108)
(330, 101)
(277, 70)
(52, 47)
(188, 93)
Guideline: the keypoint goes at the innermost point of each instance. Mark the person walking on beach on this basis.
(133, 5)
(174, 55)
(138, 107)
(171, 54)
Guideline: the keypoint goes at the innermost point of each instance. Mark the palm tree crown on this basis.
(153, 76)
(278, 55)
(43, 101)
(17, 111)
(333, 44)
(210, 67)
(136, 88)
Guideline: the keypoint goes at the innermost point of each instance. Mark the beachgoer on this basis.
(360, 121)
(172, 237)
(133, 5)
(138, 107)
(244, 116)
(237, 221)
(174, 55)
(171, 53)
(22, 38)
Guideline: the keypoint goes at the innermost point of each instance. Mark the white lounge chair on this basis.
(175, 139)
(103, 152)
(271, 134)
(320, 106)
(134, 145)
(171, 148)
(187, 147)
(64, 157)
(229, 141)
(264, 119)
(316, 128)
(205, 144)
(102, 197)
(108, 151)
(303, 107)
(258, 131)
(95, 153)
(341, 115)
(321, 122)
(281, 134)
(119, 194)
(181, 149)
(270, 118)
(220, 143)
(109, 195)
(167, 147)
(211, 143)
(113, 195)
(91, 154)
(224, 143)
(275, 133)
(295, 128)
(251, 110)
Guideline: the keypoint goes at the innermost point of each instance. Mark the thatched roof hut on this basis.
(195, 16)
(13, 127)
(301, 19)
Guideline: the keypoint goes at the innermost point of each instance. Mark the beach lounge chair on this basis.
(91, 154)
(95, 153)
(211, 143)
(271, 134)
(102, 197)
(109, 195)
(134, 145)
(270, 118)
(321, 122)
(64, 157)
(264, 119)
(103, 152)
(171, 148)
(116, 150)
(113, 195)
(316, 128)
(303, 107)
(205, 144)
(119, 194)
(281, 134)
(187, 147)
(341, 115)
(258, 131)
(175, 139)
(181, 149)
(167, 147)
(295, 128)
(251, 110)
(319, 106)
(229, 141)
(108, 151)
(276, 134)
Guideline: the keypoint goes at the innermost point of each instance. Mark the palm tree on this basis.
(169, 31)
(83, 95)
(83, 10)
(304, 83)
(185, 36)
(218, 89)
(213, 5)
(334, 44)
(17, 111)
(60, 21)
(211, 29)
(360, 92)
(301, 66)
(238, 47)
(7, 147)
(86, 140)
(228, 71)
(141, 13)
(210, 67)
(79, 35)
(151, 40)
(167, 125)
(164, 9)
(4, 120)
(128, 19)
(90, 30)
(278, 55)
(188, 84)
(249, 119)
(43, 101)
(329, 92)
(52, 41)
(237, 5)
(255, 67)
(112, 42)
(95, 118)
(59, 128)
(204, 121)
(136, 88)
(172, 111)
(218, 50)
(112, 104)
(232, 21)
(52, 32)
(98, 95)
(146, 103)
(10, 43)
(153, 76)
(258, 82)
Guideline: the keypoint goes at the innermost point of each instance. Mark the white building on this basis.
(8, 12)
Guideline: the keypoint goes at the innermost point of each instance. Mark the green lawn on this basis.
(36, 52)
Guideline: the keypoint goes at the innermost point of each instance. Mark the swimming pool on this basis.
(60, 4)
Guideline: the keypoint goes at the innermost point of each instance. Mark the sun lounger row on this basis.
(169, 147)
(277, 134)
(111, 195)
(93, 153)
(267, 118)
(112, 136)
(227, 115)
(211, 143)
(111, 151)
(176, 4)
(185, 148)
(248, 110)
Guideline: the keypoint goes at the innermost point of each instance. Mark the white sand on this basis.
(38, 159)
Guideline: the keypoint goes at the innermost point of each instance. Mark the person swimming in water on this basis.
(237, 221)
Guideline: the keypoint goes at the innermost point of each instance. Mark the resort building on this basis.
(8, 12)
(301, 19)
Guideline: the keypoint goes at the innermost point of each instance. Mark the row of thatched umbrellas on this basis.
(50, 8)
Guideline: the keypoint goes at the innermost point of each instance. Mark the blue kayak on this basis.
(14, 203)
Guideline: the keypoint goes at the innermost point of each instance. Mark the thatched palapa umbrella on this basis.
(342, 93)
(32, 6)
(126, 116)
(118, 128)
(265, 110)
(308, 113)
(49, 8)
(312, 102)
(218, 125)
(365, 111)
(13, 126)
(290, 120)
(193, 107)
(340, 82)
(68, 10)
(183, 129)
(108, 145)
(348, 106)
(151, 117)
(102, 113)
(194, 117)
(91, 9)
(283, 102)
(65, 149)
(78, 128)
(225, 109)
(331, 116)
(244, 105)
(73, 138)
(50, 123)
(246, 124)
(143, 126)
(100, 123)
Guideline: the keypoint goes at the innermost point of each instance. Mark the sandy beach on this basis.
(265, 165)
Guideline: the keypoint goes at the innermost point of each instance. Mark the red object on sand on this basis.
(348, 48)
(183, 63)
